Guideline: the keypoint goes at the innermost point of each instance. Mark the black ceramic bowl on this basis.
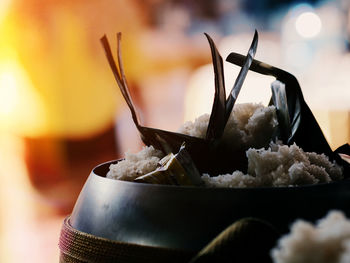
(187, 218)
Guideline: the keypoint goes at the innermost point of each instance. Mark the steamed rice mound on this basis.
(279, 165)
(249, 125)
(326, 242)
(135, 164)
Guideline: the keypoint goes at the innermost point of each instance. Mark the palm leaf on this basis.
(163, 140)
(217, 117)
(305, 130)
(230, 102)
(279, 99)
(206, 156)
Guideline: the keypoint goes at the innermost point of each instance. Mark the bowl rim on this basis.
(96, 171)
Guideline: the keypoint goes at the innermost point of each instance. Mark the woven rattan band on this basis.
(77, 246)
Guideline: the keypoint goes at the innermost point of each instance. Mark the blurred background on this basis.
(61, 112)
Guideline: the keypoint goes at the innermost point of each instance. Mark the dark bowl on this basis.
(187, 218)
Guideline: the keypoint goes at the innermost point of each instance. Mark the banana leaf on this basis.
(231, 100)
(344, 152)
(303, 129)
(279, 99)
(165, 141)
(217, 120)
(204, 152)
(174, 169)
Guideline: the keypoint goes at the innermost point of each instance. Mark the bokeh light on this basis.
(21, 107)
(308, 24)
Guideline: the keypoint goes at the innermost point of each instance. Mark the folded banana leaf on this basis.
(344, 153)
(204, 152)
(217, 120)
(302, 128)
(231, 100)
(279, 100)
(174, 169)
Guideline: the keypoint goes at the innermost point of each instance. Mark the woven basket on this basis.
(77, 247)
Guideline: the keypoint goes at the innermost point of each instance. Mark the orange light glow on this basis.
(51, 81)
(21, 107)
